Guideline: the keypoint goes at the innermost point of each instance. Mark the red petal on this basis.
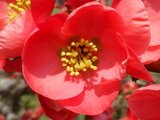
(112, 56)
(94, 100)
(137, 31)
(136, 68)
(152, 54)
(14, 34)
(145, 103)
(41, 9)
(90, 20)
(54, 110)
(42, 65)
(2, 62)
(3, 13)
(152, 8)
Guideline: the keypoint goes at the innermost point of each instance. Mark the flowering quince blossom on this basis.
(145, 102)
(152, 15)
(18, 20)
(54, 110)
(79, 60)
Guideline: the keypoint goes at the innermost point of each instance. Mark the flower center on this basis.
(17, 8)
(79, 56)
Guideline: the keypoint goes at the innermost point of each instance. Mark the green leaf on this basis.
(44, 117)
(81, 117)
(56, 10)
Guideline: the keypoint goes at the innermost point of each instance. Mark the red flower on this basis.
(80, 60)
(151, 16)
(17, 24)
(145, 102)
(55, 111)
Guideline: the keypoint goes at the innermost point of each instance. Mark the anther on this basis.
(74, 54)
(73, 44)
(84, 69)
(20, 10)
(94, 58)
(95, 49)
(90, 44)
(11, 5)
(28, 3)
(76, 73)
(77, 44)
(63, 59)
(64, 64)
(63, 53)
(72, 73)
(93, 67)
(68, 69)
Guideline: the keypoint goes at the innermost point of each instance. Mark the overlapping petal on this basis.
(94, 99)
(54, 110)
(91, 19)
(145, 102)
(153, 12)
(136, 68)
(151, 55)
(3, 14)
(17, 31)
(41, 9)
(137, 29)
(112, 57)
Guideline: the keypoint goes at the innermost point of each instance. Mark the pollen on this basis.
(79, 56)
(15, 9)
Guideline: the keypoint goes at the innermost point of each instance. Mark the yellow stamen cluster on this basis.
(17, 8)
(79, 56)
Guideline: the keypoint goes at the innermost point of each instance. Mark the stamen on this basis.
(16, 9)
(79, 56)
